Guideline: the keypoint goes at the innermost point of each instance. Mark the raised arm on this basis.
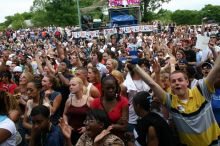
(214, 73)
(60, 50)
(159, 92)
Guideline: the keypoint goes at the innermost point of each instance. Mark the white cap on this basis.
(17, 69)
(11, 55)
(8, 63)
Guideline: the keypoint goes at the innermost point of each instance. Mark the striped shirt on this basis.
(194, 119)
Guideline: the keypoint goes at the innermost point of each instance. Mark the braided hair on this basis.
(118, 88)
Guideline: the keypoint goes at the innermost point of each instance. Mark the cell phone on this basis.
(134, 57)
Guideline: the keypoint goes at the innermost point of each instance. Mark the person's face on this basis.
(40, 123)
(109, 65)
(32, 91)
(91, 75)
(160, 55)
(109, 89)
(12, 66)
(5, 79)
(46, 84)
(81, 75)
(46, 69)
(105, 56)
(94, 57)
(17, 74)
(148, 56)
(113, 40)
(89, 65)
(73, 60)
(93, 127)
(213, 39)
(182, 66)
(206, 70)
(165, 80)
(23, 80)
(178, 84)
(28, 60)
(74, 86)
(62, 67)
(179, 55)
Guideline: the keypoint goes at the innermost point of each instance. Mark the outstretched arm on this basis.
(214, 73)
(159, 92)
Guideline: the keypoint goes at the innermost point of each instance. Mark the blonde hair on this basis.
(29, 76)
(118, 75)
(80, 82)
(114, 63)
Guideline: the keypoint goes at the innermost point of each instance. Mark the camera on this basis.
(133, 57)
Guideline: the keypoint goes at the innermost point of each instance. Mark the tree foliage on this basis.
(211, 12)
(64, 13)
(164, 16)
(149, 6)
(194, 17)
(182, 17)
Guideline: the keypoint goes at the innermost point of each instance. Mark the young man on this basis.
(151, 128)
(190, 108)
(43, 132)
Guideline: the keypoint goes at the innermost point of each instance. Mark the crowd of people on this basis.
(156, 89)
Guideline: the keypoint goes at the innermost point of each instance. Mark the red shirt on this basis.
(8, 87)
(99, 87)
(116, 113)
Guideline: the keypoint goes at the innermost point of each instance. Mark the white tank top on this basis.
(88, 88)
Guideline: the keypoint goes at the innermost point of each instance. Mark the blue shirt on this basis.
(216, 104)
(53, 138)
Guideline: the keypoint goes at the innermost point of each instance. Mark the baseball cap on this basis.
(8, 63)
(17, 69)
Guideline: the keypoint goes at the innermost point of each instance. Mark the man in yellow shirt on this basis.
(190, 108)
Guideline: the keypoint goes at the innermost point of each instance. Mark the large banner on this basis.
(133, 2)
(122, 30)
(115, 3)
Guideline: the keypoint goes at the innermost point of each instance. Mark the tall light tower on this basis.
(79, 14)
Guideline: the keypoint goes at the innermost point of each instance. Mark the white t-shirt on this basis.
(10, 126)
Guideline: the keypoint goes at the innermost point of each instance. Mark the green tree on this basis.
(183, 17)
(211, 12)
(18, 21)
(164, 16)
(149, 6)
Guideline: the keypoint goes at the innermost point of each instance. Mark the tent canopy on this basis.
(124, 20)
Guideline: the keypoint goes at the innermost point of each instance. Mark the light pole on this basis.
(79, 14)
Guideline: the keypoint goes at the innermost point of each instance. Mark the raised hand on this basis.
(102, 134)
(65, 128)
(156, 66)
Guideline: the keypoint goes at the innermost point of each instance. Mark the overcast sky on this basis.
(10, 7)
